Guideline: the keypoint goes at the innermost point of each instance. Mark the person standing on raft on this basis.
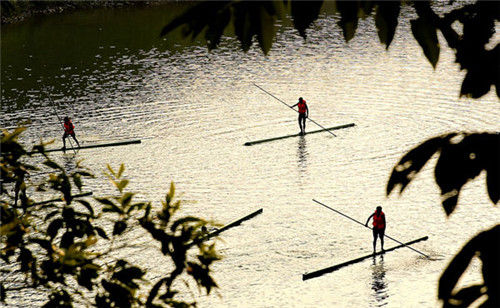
(378, 227)
(68, 131)
(303, 114)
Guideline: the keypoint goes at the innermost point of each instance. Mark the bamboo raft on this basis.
(91, 146)
(227, 227)
(297, 135)
(338, 266)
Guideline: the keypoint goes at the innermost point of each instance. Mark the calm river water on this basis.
(194, 110)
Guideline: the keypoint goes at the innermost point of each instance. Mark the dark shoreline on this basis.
(15, 11)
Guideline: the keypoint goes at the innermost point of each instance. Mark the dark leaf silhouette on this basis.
(101, 232)
(85, 277)
(154, 291)
(413, 161)
(462, 161)
(119, 227)
(196, 19)
(484, 245)
(465, 297)
(348, 18)
(304, 13)
(459, 162)
(53, 265)
(2, 293)
(54, 227)
(67, 239)
(87, 205)
(118, 294)
(386, 21)
(254, 18)
(426, 35)
(60, 299)
(216, 27)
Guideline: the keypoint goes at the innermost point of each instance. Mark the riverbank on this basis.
(19, 11)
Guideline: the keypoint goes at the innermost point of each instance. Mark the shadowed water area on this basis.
(193, 110)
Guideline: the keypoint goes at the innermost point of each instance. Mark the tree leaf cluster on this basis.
(462, 157)
(485, 246)
(60, 245)
(256, 21)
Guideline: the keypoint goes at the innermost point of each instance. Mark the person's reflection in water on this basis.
(379, 284)
(69, 163)
(302, 154)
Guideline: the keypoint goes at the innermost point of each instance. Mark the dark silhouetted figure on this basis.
(68, 131)
(303, 114)
(378, 227)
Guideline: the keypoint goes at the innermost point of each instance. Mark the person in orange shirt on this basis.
(68, 131)
(378, 227)
(303, 114)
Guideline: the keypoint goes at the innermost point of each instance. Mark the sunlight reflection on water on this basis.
(194, 110)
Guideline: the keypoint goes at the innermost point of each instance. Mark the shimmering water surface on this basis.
(194, 110)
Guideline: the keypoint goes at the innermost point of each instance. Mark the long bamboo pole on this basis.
(60, 121)
(423, 254)
(295, 110)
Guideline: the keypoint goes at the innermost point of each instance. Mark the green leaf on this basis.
(111, 170)
(171, 193)
(120, 172)
(386, 20)
(122, 184)
(425, 33)
(126, 199)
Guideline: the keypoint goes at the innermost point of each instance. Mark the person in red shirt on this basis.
(303, 114)
(378, 227)
(68, 131)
